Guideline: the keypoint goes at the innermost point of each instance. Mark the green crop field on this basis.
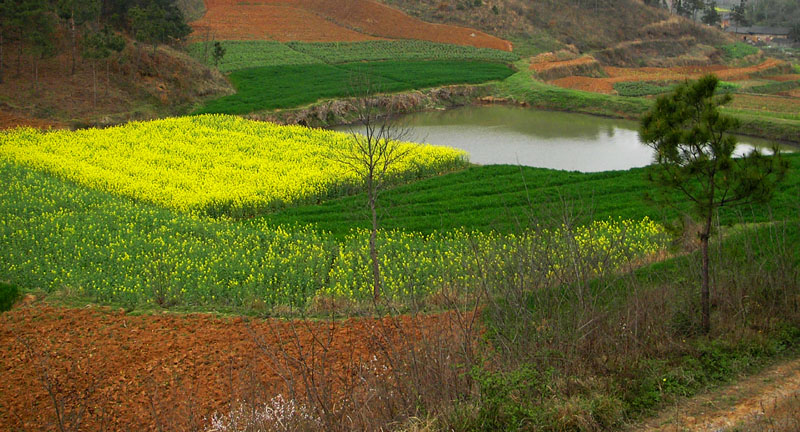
(738, 50)
(506, 198)
(271, 87)
(57, 235)
(248, 54)
(773, 87)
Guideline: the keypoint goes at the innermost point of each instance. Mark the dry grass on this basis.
(782, 415)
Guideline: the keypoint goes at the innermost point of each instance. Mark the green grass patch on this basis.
(248, 54)
(522, 87)
(647, 88)
(8, 295)
(272, 87)
(399, 50)
(776, 87)
(642, 88)
(738, 50)
(505, 198)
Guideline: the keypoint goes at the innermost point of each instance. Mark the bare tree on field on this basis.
(374, 149)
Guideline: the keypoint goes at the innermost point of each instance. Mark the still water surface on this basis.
(511, 135)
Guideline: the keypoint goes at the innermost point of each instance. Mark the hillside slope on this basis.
(618, 32)
(134, 85)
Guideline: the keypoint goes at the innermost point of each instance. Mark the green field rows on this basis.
(507, 198)
(271, 87)
(248, 54)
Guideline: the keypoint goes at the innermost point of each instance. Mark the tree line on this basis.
(743, 13)
(95, 29)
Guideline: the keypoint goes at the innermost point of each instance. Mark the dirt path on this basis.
(744, 402)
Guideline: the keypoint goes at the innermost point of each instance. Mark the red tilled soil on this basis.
(783, 78)
(257, 20)
(328, 20)
(594, 85)
(173, 371)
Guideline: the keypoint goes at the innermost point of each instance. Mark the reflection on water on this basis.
(513, 135)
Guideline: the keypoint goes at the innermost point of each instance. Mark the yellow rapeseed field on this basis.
(209, 164)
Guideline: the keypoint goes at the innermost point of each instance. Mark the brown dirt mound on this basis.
(9, 121)
(784, 78)
(594, 85)
(546, 66)
(329, 20)
(146, 372)
(582, 66)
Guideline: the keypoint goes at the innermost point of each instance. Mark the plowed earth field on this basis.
(123, 372)
(653, 74)
(327, 21)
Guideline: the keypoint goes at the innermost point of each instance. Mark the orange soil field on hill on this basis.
(617, 74)
(545, 66)
(328, 21)
(784, 78)
(143, 372)
(594, 85)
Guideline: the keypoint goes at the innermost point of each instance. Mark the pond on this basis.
(499, 134)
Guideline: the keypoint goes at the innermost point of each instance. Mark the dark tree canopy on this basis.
(157, 22)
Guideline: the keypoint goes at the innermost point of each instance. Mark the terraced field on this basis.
(508, 198)
(249, 54)
(328, 21)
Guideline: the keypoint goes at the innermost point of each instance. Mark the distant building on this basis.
(759, 34)
(725, 20)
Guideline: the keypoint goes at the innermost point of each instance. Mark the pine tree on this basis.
(696, 171)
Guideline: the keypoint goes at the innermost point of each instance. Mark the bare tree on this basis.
(374, 149)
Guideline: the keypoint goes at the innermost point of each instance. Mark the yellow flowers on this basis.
(210, 164)
(57, 235)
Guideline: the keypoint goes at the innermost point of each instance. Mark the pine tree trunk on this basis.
(108, 75)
